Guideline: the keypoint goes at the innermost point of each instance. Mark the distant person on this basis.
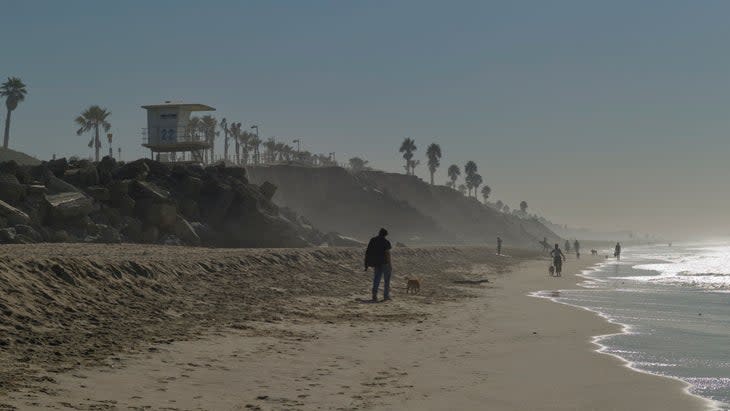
(617, 251)
(377, 256)
(558, 258)
(499, 246)
(576, 247)
(545, 245)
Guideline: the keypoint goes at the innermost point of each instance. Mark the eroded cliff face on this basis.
(335, 200)
(357, 204)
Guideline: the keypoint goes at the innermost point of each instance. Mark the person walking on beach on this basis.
(377, 256)
(499, 246)
(576, 247)
(567, 246)
(617, 251)
(558, 258)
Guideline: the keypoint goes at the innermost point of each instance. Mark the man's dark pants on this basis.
(384, 272)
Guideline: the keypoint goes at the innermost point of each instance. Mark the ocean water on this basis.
(674, 307)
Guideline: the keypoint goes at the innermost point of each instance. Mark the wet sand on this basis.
(498, 349)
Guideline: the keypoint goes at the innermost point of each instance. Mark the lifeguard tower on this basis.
(169, 135)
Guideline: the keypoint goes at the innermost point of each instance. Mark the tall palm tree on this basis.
(255, 144)
(208, 124)
(486, 191)
(245, 138)
(94, 118)
(470, 169)
(223, 124)
(270, 146)
(476, 181)
(433, 152)
(454, 172)
(407, 147)
(236, 133)
(14, 92)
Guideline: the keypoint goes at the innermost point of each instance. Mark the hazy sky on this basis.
(610, 114)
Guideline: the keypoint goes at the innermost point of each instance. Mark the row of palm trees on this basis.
(472, 179)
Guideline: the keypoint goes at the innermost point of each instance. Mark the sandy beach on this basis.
(460, 344)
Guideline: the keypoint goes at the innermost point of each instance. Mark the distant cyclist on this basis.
(558, 258)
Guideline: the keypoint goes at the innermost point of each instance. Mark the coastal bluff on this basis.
(415, 212)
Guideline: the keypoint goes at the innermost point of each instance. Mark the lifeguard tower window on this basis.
(168, 116)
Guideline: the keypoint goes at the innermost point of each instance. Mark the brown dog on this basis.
(551, 270)
(413, 285)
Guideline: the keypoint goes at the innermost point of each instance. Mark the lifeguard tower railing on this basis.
(163, 136)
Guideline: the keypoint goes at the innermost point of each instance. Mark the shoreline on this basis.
(712, 405)
(487, 346)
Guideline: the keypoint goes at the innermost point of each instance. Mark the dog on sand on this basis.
(551, 270)
(413, 285)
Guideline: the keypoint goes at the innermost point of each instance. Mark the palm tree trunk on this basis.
(238, 152)
(97, 143)
(432, 178)
(225, 146)
(6, 139)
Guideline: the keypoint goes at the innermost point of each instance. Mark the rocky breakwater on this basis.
(145, 202)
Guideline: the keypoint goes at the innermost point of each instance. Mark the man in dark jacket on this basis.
(377, 256)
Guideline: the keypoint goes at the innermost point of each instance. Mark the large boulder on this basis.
(56, 185)
(267, 190)
(136, 170)
(29, 232)
(13, 215)
(146, 190)
(98, 193)
(69, 205)
(84, 176)
(162, 215)
(10, 188)
(185, 231)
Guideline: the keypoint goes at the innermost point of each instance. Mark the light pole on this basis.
(256, 127)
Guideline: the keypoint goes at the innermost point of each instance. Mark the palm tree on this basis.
(208, 125)
(358, 164)
(454, 172)
(270, 146)
(14, 92)
(223, 124)
(255, 143)
(245, 139)
(433, 153)
(470, 169)
(476, 181)
(523, 206)
(235, 132)
(94, 118)
(486, 191)
(407, 147)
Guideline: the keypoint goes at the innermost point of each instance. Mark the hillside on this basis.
(356, 204)
(335, 200)
(22, 159)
